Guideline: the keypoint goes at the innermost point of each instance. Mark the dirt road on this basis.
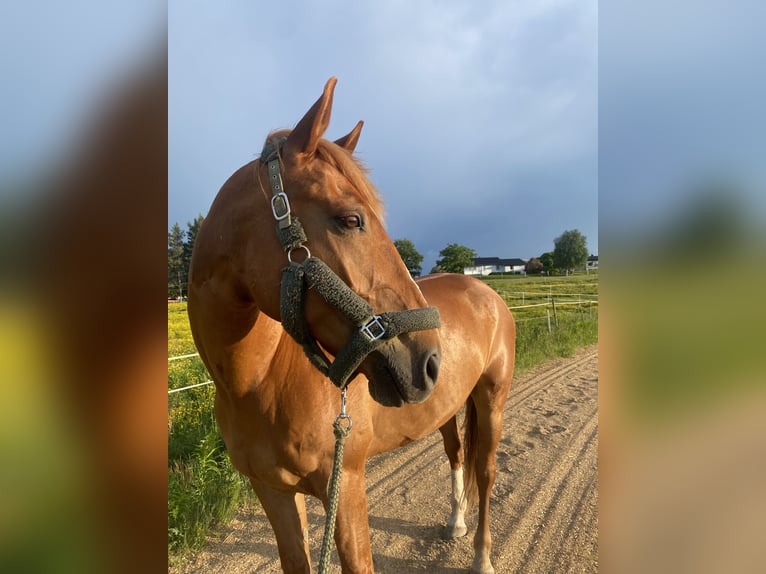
(544, 505)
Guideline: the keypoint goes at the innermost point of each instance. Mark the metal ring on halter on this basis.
(344, 417)
(290, 253)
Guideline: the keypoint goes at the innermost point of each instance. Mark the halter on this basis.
(312, 273)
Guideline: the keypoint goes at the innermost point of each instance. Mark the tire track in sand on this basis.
(547, 473)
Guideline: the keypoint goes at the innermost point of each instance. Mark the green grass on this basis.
(203, 487)
(203, 490)
(573, 325)
(180, 340)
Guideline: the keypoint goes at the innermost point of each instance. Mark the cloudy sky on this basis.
(480, 125)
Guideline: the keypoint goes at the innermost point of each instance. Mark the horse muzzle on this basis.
(401, 374)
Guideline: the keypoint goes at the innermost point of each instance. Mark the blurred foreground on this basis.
(682, 223)
(683, 410)
(82, 303)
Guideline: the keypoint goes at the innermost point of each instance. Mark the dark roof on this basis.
(486, 261)
(593, 258)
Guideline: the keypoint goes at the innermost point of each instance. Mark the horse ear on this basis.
(349, 141)
(305, 137)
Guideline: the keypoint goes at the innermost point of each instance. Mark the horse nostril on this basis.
(432, 368)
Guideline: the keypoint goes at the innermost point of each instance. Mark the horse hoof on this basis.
(452, 532)
(482, 567)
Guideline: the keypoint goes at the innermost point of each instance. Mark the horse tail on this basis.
(470, 450)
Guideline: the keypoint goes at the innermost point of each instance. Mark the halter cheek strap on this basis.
(372, 330)
(289, 229)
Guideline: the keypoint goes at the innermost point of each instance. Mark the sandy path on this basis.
(544, 504)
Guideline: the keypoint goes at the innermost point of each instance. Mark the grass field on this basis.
(569, 302)
(203, 487)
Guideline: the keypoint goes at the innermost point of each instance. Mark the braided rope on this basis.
(341, 432)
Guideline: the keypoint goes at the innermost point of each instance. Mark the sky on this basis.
(480, 125)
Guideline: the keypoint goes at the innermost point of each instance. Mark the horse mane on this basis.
(350, 167)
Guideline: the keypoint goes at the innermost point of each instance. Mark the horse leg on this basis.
(456, 526)
(286, 512)
(352, 530)
(489, 421)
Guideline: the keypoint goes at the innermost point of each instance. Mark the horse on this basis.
(274, 402)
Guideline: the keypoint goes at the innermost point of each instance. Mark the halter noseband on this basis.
(372, 329)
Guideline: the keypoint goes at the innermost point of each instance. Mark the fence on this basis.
(178, 358)
(551, 304)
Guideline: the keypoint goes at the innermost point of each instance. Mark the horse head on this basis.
(329, 224)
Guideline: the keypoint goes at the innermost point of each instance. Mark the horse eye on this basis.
(351, 221)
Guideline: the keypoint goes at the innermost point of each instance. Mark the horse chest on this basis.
(278, 456)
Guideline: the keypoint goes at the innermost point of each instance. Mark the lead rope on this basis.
(341, 431)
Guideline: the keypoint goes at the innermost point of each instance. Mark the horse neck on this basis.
(245, 239)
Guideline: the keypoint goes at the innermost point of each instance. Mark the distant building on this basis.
(592, 262)
(483, 266)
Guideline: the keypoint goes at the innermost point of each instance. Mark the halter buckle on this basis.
(280, 206)
(374, 329)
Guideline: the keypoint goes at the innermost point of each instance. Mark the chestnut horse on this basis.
(275, 408)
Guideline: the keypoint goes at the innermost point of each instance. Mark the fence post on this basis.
(555, 315)
(548, 312)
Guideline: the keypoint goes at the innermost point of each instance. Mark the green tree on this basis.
(175, 261)
(192, 228)
(547, 260)
(455, 258)
(570, 250)
(412, 259)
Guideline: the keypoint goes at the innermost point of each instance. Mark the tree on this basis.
(534, 266)
(175, 261)
(455, 258)
(547, 260)
(570, 250)
(192, 228)
(412, 259)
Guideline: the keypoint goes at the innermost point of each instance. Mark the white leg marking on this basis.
(456, 525)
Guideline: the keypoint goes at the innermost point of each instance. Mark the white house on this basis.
(486, 265)
(592, 262)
